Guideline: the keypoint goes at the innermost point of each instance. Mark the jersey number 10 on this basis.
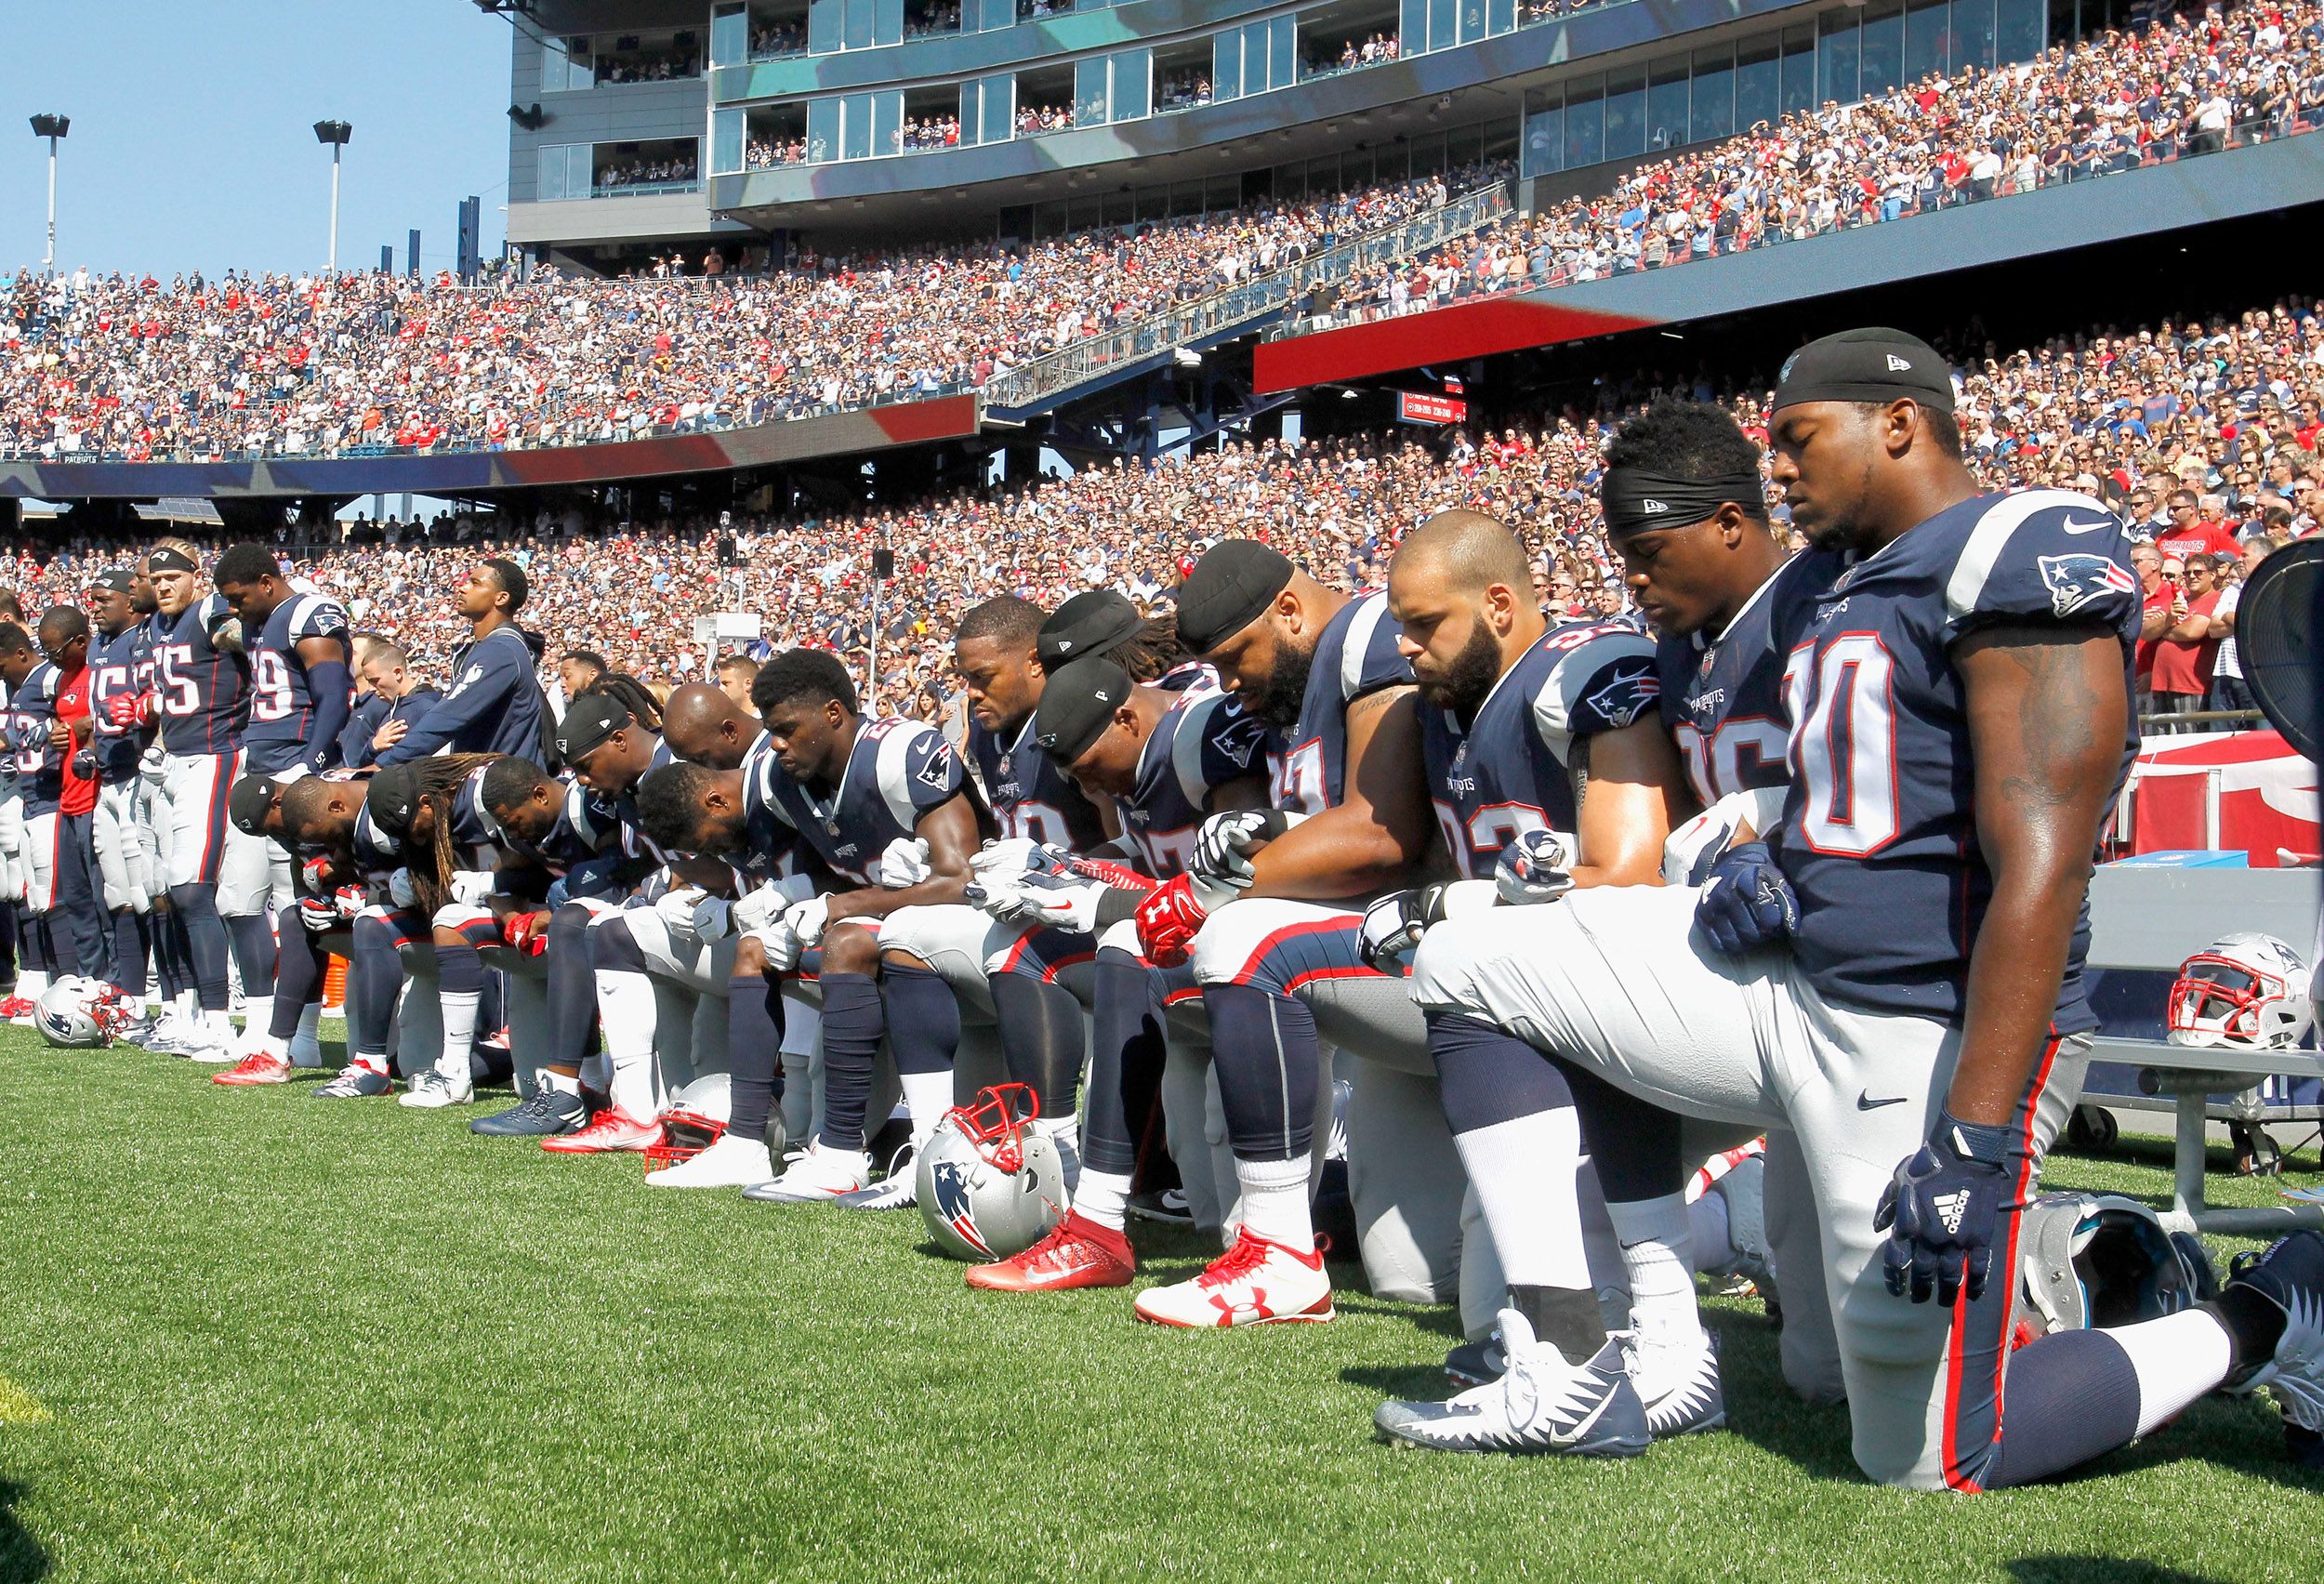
(1841, 699)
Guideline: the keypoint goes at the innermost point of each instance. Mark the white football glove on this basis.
(675, 907)
(1394, 924)
(1004, 857)
(319, 914)
(11, 878)
(1061, 902)
(1689, 852)
(1223, 846)
(471, 886)
(399, 889)
(152, 763)
(1531, 869)
(806, 919)
(905, 862)
(713, 918)
(780, 945)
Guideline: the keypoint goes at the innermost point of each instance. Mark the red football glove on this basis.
(528, 932)
(124, 710)
(1167, 920)
(316, 875)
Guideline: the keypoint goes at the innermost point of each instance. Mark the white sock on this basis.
(459, 1033)
(220, 1026)
(1655, 1252)
(1065, 1133)
(1707, 1229)
(1102, 1198)
(370, 1062)
(927, 1096)
(1523, 1170)
(625, 1010)
(257, 1015)
(1275, 1201)
(31, 984)
(278, 1049)
(2177, 1358)
(562, 1083)
(188, 1005)
(596, 1072)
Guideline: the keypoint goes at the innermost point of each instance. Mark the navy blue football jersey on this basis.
(1356, 655)
(1723, 696)
(492, 706)
(1203, 741)
(114, 666)
(1030, 795)
(202, 691)
(1510, 770)
(39, 768)
(897, 772)
(630, 838)
(375, 852)
(1879, 831)
(281, 694)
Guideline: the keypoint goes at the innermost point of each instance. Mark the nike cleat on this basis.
(730, 1162)
(814, 1176)
(1680, 1386)
(897, 1190)
(355, 1082)
(1540, 1405)
(432, 1091)
(608, 1131)
(544, 1113)
(255, 1068)
(2291, 1277)
(1473, 1364)
(18, 1010)
(1169, 1205)
(1076, 1253)
(1257, 1282)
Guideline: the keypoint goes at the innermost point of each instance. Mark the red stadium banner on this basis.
(1426, 407)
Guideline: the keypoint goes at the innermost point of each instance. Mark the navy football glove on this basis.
(1394, 924)
(1223, 847)
(1941, 1212)
(1747, 903)
(1531, 869)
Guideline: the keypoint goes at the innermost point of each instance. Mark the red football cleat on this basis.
(17, 1009)
(1076, 1253)
(1258, 1282)
(607, 1129)
(255, 1068)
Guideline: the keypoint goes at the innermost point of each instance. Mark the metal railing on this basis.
(1250, 300)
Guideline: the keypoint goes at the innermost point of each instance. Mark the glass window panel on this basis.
(1758, 81)
(1226, 65)
(823, 129)
(1427, 154)
(2017, 29)
(888, 21)
(1501, 16)
(859, 24)
(1091, 95)
(1585, 123)
(996, 14)
(887, 130)
(1928, 30)
(1799, 69)
(826, 28)
(580, 169)
(972, 112)
(1972, 35)
(998, 112)
(1412, 31)
(1255, 59)
(1133, 83)
(1625, 114)
(1120, 209)
(1049, 219)
(1223, 194)
(1084, 214)
(726, 140)
(1284, 65)
(1545, 141)
(1883, 48)
(1666, 103)
(855, 127)
(730, 36)
(552, 174)
(1710, 109)
(1442, 27)
(1836, 56)
(1472, 20)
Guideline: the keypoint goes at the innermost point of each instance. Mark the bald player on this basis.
(707, 726)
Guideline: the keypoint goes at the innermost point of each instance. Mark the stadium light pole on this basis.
(334, 133)
(52, 128)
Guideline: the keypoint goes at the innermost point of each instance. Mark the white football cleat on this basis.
(731, 1162)
(201, 1045)
(432, 1091)
(897, 1190)
(815, 1176)
(1540, 1404)
(1257, 1282)
(1680, 1386)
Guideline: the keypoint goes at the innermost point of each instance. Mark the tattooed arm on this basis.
(2046, 723)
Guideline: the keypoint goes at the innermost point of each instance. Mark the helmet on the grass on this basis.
(695, 1118)
(2094, 1260)
(988, 1185)
(79, 1014)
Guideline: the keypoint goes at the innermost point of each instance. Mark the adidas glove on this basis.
(1941, 1212)
(1531, 869)
(1394, 924)
(1747, 903)
(1223, 847)
(905, 862)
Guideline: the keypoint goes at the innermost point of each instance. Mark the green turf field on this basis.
(245, 1336)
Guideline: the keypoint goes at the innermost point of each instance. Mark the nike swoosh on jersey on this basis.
(1866, 1102)
(2073, 527)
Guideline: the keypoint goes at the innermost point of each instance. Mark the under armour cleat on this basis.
(433, 1091)
(814, 1176)
(730, 1162)
(1257, 1282)
(2290, 1275)
(1539, 1405)
(607, 1131)
(1680, 1386)
(255, 1068)
(355, 1082)
(544, 1113)
(1076, 1253)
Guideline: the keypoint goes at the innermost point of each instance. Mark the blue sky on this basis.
(192, 144)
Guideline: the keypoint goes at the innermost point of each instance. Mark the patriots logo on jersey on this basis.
(1239, 749)
(2075, 580)
(937, 772)
(1625, 698)
(949, 1187)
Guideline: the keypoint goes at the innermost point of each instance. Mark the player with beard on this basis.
(116, 656)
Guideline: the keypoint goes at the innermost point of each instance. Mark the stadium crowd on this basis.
(2183, 87)
(2202, 433)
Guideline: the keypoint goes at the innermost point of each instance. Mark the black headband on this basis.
(1637, 500)
(1234, 582)
(1870, 365)
(164, 559)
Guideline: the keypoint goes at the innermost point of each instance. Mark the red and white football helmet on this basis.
(2245, 990)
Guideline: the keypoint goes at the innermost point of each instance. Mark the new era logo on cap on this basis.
(1897, 364)
(1654, 506)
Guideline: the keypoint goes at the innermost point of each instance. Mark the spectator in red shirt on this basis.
(2192, 534)
(2185, 655)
